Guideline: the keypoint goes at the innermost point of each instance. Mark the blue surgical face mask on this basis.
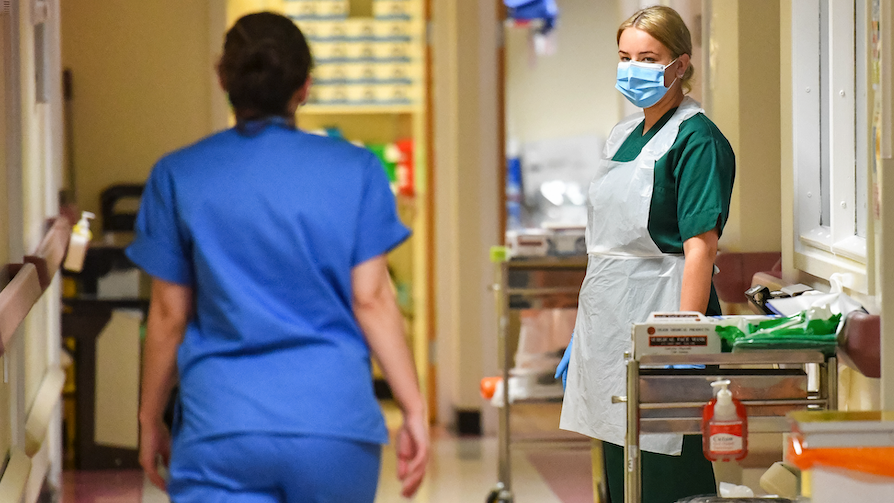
(642, 83)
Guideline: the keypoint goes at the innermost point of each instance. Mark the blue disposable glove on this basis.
(562, 369)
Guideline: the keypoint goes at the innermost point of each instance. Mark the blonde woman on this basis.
(657, 206)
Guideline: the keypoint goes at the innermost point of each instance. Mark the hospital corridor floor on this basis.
(546, 466)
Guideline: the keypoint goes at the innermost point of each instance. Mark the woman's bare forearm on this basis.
(169, 312)
(698, 270)
(376, 310)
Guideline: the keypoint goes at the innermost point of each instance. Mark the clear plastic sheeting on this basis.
(528, 386)
(543, 336)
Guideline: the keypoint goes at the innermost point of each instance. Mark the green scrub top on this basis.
(693, 183)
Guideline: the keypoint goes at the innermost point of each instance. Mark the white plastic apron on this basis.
(628, 278)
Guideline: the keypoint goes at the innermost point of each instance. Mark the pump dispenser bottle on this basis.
(724, 426)
(77, 245)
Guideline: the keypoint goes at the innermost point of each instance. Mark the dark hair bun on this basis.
(266, 59)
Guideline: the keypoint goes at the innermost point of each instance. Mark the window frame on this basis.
(822, 250)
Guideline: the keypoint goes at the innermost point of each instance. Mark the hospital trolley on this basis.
(525, 283)
(666, 394)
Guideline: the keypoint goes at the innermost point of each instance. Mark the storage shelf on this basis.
(359, 109)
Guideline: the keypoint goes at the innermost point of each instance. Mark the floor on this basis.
(548, 466)
(461, 469)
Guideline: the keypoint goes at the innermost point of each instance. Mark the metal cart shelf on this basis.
(526, 283)
(771, 383)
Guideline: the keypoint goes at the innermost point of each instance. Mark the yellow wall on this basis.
(744, 89)
(723, 89)
(758, 157)
(786, 178)
(143, 80)
(465, 186)
(239, 8)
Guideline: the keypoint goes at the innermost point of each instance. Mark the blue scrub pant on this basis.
(260, 468)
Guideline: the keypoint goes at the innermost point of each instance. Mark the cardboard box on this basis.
(395, 51)
(331, 9)
(360, 51)
(397, 73)
(564, 242)
(381, 94)
(330, 74)
(359, 29)
(676, 333)
(527, 243)
(395, 9)
(329, 52)
(328, 94)
(323, 31)
(300, 9)
(394, 30)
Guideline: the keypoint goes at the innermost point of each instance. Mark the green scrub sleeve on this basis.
(704, 186)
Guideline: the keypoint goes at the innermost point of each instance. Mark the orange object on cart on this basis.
(874, 460)
(489, 386)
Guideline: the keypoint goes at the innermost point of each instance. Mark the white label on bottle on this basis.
(724, 442)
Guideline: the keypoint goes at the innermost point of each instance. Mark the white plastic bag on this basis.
(728, 490)
(837, 301)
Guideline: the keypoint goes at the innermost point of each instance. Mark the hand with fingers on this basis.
(155, 447)
(412, 454)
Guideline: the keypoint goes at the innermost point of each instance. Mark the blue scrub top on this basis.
(266, 227)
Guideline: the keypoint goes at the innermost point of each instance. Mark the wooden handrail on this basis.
(51, 251)
(21, 290)
(41, 412)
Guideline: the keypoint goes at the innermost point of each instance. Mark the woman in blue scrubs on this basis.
(270, 292)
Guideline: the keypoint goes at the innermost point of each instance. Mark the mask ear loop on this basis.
(676, 77)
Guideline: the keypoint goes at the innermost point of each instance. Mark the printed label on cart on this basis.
(678, 340)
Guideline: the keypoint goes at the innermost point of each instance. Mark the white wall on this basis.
(856, 391)
(42, 167)
(570, 93)
(32, 171)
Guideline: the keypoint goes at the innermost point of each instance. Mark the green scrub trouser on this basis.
(666, 479)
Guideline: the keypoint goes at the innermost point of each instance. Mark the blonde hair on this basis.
(666, 26)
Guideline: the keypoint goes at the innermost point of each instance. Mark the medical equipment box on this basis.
(549, 242)
(527, 243)
(675, 333)
(684, 332)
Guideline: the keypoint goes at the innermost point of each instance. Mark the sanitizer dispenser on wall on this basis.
(80, 241)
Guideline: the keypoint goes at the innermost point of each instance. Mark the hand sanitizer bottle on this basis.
(724, 426)
(79, 242)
